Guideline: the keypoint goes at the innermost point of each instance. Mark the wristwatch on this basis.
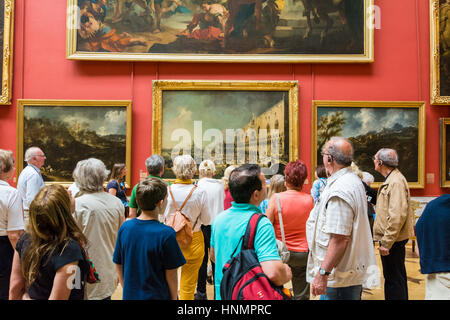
(323, 272)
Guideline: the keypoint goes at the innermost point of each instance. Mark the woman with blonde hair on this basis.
(195, 209)
(215, 196)
(228, 197)
(276, 186)
(50, 255)
(11, 220)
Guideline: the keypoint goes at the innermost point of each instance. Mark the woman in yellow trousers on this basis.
(189, 272)
(192, 201)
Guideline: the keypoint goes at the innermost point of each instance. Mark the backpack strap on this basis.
(185, 200)
(250, 232)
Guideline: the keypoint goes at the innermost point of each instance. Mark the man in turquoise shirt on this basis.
(248, 188)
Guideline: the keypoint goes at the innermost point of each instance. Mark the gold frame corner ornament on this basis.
(7, 61)
(22, 103)
(444, 123)
(420, 105)
(435, 95)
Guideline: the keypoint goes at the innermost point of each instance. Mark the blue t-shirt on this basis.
(227, 230)
(145, 249)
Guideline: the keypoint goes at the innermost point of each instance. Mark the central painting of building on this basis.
(226, 126)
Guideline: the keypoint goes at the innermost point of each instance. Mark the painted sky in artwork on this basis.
(215, 109)
(103, 120)
(360, 121)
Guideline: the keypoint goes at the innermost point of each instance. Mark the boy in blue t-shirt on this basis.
(147, 253)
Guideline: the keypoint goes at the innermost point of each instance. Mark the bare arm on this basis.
(14, 236)
(212, 256)
(277, 272)
(270, 211)
(62, 283)
(112, 191)
(172, 282)
(17, 281)
(119, 273)
(336, 248)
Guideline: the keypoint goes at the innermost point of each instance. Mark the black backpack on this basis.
(243, 277)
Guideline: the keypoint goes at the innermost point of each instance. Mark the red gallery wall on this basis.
(400, 72)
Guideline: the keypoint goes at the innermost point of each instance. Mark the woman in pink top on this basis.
(295, 208)
(228, 198)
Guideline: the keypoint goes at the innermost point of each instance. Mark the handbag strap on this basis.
(280, 217)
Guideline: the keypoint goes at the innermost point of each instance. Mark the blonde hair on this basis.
(276, 185)
(226, 175)
(356, 170)
(206, 168)
(184, 167)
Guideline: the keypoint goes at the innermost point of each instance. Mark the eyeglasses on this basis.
(41, 155)
(325, 154)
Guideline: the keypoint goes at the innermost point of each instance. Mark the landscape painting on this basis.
(445, 152)
(70, 131)
(221, 31)
(440, 51)
(230, 123)
(6, 52)
(371, 126)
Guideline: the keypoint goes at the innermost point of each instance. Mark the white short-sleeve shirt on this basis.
(11, 215)
(196, 208)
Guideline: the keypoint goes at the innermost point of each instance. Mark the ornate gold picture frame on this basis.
(370, 126)
(6, 55)
(445, 152)
(229, 122)
(253, 31)
(72, 130)
(440, 52)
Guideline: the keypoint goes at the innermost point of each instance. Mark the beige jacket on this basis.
(394, 219)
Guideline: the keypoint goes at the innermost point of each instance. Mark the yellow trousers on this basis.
(189, 272)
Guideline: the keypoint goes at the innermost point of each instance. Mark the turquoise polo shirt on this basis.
(227, 230)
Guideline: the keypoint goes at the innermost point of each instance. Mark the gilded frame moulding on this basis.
(444, 152)
(204, 100)
(221, 53)
(79, 129)
(437, 23)
(7, 52)
(370, 115)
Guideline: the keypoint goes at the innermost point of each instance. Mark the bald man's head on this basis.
(341, 150)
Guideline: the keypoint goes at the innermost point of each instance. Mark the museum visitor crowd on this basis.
(79, 243)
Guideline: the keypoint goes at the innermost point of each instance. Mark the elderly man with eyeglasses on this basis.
(30, 179)
(393, 224)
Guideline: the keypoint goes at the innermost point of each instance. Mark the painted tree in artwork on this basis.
(329, 125)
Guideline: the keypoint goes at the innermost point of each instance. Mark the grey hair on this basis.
(341, 157)
(30, 153)
(184, 167)
(206, 168)
(90, 174)
(154, 164)
(389, 157)
(6, 160)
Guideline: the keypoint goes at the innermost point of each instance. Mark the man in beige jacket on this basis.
(393, 224)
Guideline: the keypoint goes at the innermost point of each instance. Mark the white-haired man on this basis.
(30, 179)
(393, 224)
(341, 259)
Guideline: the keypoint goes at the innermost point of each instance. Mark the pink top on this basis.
(228, 200)
(295, 208)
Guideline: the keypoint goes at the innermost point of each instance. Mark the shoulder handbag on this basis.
(281, 245)
(181, 223)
